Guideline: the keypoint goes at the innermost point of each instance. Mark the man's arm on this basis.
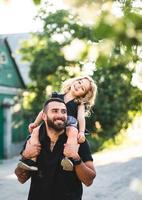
(85, 170)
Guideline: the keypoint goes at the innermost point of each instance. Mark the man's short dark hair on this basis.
(52, 100)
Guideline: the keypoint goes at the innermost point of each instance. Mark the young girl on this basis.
(79, 94)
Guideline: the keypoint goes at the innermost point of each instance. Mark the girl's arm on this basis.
(38, 119)
(37, 122)
(81, 117)
(81, 122)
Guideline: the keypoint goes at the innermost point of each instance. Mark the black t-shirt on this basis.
(51, 182)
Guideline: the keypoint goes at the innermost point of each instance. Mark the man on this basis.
(51, 181)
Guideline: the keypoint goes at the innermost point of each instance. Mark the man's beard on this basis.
(56, 126)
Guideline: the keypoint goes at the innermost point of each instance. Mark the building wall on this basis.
(12, 122)
(1, 133)
(13, 126)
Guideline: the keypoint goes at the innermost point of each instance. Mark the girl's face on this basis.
(80, 87)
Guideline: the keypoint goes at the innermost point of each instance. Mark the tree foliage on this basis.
(116, 62)
(112, 43)
(116, 99)
(37, 2)
(45, 51)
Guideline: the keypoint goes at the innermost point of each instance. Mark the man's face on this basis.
(56, 115)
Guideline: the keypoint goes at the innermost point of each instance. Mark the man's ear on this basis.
(43, 116)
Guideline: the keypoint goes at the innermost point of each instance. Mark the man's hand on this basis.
(71, 150)
(22, 174)
(31, 150)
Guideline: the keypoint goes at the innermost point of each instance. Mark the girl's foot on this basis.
(28, 164)
(67, 164)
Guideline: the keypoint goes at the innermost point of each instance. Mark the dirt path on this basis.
(117, 174)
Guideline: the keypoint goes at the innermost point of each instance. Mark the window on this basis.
(3, 58)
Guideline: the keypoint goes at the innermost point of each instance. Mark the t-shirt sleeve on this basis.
(84, 152)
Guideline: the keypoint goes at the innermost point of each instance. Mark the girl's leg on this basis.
(34, 140)
(72, 134)
(30, 164)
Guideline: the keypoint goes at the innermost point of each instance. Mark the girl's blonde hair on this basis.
(90, 96)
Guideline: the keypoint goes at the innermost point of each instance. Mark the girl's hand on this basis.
(81, 137)
(31, 127)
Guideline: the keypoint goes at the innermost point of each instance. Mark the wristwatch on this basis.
(76, 161)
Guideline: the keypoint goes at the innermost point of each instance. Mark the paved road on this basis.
(118, 172)
(118, 175)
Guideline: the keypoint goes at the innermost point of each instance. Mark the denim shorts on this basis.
(72, 121)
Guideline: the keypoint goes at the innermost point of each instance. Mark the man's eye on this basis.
(55, 111)
(64, 111)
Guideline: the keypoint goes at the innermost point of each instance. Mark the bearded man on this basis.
(52, 181)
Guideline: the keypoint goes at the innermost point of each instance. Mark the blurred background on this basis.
(43, 43)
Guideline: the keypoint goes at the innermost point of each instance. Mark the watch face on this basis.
(77, 162)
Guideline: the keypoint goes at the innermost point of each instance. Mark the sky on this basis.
(16, 16)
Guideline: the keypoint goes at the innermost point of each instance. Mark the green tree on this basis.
(49, 66)
(37, 2)
(117, 99)
(116, 42)
(116, 62)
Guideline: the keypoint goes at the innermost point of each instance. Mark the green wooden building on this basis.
(12, 121)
